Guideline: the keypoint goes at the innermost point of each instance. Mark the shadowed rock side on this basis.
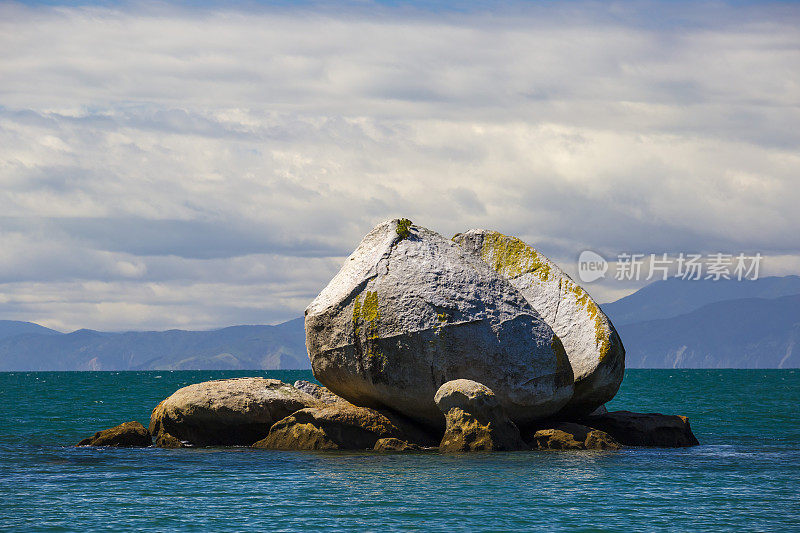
(340, 426)
(410, 310)
(571, 436)
(475, 419)
(227, 412)
(644, 429)
(592, 344)
(127, 435)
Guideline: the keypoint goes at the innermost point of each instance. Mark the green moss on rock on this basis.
(403, 228)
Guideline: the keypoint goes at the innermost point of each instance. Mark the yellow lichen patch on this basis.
(601, 332)
(367, 313)
(512, 258)
(370, 308)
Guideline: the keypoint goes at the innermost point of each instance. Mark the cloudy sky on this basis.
(200, 165)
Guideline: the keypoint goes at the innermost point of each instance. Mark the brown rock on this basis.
(392, 444)
(165, 440)
(475, 419)
(640, 429)
(339, 426)
(570, 436)
(127, 435)
(227, 412)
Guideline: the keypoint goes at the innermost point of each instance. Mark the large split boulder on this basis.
(644, 429)
(593, 346)
(475, 419)
(127, 435)
(226, 412)
(340, 426)
(411, 310)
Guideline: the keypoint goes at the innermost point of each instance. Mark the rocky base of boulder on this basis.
(395, 445)
(644, 429)
(340, 426)
(165, 440)
(475, 420)
(571, 436)
(227, 412)
(235, 412)
(127, 435)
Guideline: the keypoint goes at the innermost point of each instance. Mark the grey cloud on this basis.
(196, 239)
(218, 170)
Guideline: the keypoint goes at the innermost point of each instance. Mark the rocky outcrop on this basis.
(593, 346)
(571, 436)
(339, 426)
(127, 435)
(411, 310)
(227, 412)
(640, 429)
(317, 391)
(475, 419)
(392, 444)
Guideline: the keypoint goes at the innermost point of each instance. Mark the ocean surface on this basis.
(745, 475)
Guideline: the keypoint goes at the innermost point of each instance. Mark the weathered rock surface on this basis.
(475, 419)
(127, 435)
(339, 426)
(571, 436)
(320, 393)
(227, 412)
(411, 310)
(640, 429)
(392, 444)
(592, 344)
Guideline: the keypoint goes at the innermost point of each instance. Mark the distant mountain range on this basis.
(711, 324)
(674, 296)
(237, 347)
(667, 324)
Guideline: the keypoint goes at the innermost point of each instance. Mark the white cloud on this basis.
(210, 151)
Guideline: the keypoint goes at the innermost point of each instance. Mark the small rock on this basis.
(127, 435)
(339, 426)
(640, 429)
(317, 391)
(392, 444)
(165, 440)
(570, 436)
(475, 419)
(227, 412)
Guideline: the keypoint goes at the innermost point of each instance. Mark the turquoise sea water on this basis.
(744, 476)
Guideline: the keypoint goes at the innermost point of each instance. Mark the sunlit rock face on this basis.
(593, 346)
(411, 310)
